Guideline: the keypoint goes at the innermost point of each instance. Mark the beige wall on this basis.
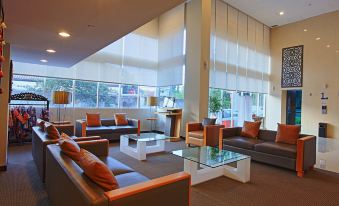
(321, 66)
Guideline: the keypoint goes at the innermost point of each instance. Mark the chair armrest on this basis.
(228, 132)
(97, 147)
(306, 154)
(79, 139)
(193, 126)
(211, 135)
(135, 123)
(80, 128)
(156, 190)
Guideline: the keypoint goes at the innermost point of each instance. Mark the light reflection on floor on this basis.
(328, 154)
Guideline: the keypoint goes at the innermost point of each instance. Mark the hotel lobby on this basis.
(172, 102)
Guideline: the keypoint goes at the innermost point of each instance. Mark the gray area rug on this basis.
(21, 185)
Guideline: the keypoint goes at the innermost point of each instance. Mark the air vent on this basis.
(274, 26)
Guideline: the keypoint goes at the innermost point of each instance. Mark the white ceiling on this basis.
(33, 26)
(267, 11)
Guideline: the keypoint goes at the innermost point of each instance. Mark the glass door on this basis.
(293, 107)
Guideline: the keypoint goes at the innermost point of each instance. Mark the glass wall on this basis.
(92, 94)
(232, 108)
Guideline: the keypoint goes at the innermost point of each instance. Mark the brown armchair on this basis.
(200, 135)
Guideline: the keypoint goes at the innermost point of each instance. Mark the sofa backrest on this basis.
(270, 135)
(67, 184)
(108, 122)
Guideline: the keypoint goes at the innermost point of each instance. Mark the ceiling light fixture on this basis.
(305, 30)
(328, 46)
(64, 34)
(318, 38)
(50, 50)
(337, 51)
(281, 13)
(44, 60)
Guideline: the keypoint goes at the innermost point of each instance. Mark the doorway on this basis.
(293, 107)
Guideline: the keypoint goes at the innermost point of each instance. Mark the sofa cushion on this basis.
(98, 130)
(250, 129)
(97, 171)
(279, 149)
(123, 129)
(93, 120)
(108, 122)
(51, 131)
(115, 166)
(197, 134)
(121, 119)
(242, 142)
(130, 178)
(288, 134)
(69, 147)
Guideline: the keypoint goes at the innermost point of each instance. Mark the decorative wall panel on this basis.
(292, 67)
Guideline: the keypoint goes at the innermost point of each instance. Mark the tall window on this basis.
(31, 84)
(129, 96)
(85, 94)
(172, 91)
(145, 92)
(53, 84)
(108, 95)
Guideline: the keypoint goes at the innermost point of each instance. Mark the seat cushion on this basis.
(123, 129)
(197, 134)
(279, 149)
(242, 142)
(115, 166)
(98, 130)
(130, 178)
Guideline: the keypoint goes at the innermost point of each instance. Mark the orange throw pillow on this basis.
(288, 134)
(250, 129)
(97, 171)
(93, 120)
(51, 130)
(121, 119)
(70, 148)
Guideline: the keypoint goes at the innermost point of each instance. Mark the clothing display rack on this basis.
(25, 108)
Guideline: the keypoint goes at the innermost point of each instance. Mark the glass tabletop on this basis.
(210, 156)
(147, 137)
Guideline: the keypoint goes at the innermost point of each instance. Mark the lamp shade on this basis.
(152, 101)
(61, 97)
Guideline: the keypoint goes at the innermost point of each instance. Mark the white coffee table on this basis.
(206, 163)
(139, 152)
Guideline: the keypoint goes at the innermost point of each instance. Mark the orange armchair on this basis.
(199, 135)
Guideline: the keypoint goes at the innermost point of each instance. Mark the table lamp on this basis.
(151, 102)
(61, 98)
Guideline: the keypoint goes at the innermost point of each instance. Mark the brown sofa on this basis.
(200, 135)
(108, 129)
(66, 184)
(39, 144)
(300, 157)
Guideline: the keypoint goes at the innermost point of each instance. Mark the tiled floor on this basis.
(328, 154)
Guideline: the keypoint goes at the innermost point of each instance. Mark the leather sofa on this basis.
(108, 129)
(39, 144)
(300, 157)
(66, 184)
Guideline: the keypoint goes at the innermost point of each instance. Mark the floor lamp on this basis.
(151, 102)
(61, 98)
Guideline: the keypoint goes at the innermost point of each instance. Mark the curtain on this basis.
(244, 108)
(239, 50)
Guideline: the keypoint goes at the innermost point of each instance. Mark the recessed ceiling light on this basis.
(50, 50)
(44, 60)
(337, 51)
(318, 38)
(64, 34)
(305, 30)
(328, 46)
(281, 13)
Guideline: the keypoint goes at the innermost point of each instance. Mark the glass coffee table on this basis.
(139, 152)
(205, 163)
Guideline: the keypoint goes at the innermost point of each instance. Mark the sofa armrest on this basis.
(97, 147)
(135, 123)
(306, 154)
(79, 139)
(80, 128)
(154, 191)
(193, 126)
(228, 132)
(211, 135)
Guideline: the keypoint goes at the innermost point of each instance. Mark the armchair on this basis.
(200, 135)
